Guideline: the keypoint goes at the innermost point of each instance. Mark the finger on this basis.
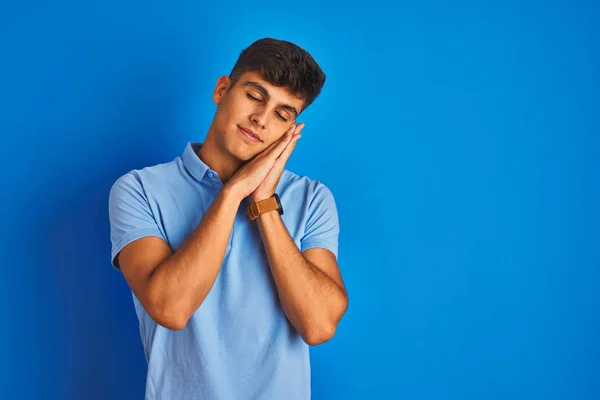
(286, 153)
(293, 127)
(280, 144)
(292, 143)
(280, 148)
(269, 149)
(284, 138)
(289, 133)
(274, 149)
(292, 130)
(280, 163)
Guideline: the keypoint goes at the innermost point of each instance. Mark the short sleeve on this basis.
(130, 215)
(322, 225)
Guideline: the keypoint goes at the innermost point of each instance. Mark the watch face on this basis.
(280, 207)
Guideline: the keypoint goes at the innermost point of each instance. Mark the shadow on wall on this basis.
(101, 353)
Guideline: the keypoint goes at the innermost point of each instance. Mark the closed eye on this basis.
(281, 117)
(252, 97)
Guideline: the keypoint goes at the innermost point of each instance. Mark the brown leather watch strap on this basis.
(260, 207)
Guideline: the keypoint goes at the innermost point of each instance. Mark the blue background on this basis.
(460, 140)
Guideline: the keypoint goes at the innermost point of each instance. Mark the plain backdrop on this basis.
(460, 140)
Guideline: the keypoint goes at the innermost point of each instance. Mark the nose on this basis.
(259, 117)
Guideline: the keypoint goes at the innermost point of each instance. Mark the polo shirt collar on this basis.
(192, 162)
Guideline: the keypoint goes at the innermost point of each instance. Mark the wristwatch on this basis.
(260, 207)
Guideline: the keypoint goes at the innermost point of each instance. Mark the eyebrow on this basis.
(265, 93)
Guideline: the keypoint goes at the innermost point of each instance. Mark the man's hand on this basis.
(267, 187)
(249, 177)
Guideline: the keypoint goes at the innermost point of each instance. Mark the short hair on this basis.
(282, 64)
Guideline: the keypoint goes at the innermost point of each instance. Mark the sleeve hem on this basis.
(130, 237)
(312, 243)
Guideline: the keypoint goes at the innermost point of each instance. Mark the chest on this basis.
(179, 215)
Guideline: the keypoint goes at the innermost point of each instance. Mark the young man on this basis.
(231, 259)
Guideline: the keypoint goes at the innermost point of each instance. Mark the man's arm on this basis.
(310, 286)
(171, 286)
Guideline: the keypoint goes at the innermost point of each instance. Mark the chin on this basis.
(238, 151)
(238, 148)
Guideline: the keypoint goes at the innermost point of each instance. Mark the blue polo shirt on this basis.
(239, 343)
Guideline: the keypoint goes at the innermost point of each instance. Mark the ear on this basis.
(221, 89)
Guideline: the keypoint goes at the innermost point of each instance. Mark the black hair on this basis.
(282, 64)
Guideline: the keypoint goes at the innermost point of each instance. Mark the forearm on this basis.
(312, 301)
(181, 282)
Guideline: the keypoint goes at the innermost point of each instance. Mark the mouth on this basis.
(250, 134)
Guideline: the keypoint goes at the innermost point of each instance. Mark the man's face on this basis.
(252, 106)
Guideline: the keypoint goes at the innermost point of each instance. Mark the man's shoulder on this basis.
(154, 171)
(309, 186)
(292, 177)
(153, 175)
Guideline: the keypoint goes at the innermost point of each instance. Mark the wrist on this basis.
(268, 217)
(266, 206)
(254, 197)
(232, 193)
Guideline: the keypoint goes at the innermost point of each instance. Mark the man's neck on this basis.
(218, 159)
